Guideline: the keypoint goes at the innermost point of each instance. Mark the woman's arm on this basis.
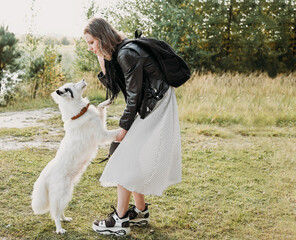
(131, 64)
(120, 135)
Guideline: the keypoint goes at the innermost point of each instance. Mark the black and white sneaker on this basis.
(113, 224)
(137, 217)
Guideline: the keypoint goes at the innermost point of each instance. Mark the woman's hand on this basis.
(120, 135)
(102, 64)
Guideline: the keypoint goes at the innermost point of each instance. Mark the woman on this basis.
(148, 158)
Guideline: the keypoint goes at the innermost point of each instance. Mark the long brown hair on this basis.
(107, 35)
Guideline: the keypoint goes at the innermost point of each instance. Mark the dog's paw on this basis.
(61, 231)
(66, 219)
(105, 104)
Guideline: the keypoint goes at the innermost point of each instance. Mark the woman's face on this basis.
(93, 44)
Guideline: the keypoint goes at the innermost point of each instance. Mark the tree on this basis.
(176, 22)
(130, 15)
(43, 70)
(283, 37)
(86, 61)
(33, 61)
(220, 35)
(52, 75)
(8, 52)
(65, 41)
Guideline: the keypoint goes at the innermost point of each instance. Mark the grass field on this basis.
(239, 169)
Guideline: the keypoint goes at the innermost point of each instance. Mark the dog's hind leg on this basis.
(59, 229)
(65, 219)
(58, 202)
(59, 216)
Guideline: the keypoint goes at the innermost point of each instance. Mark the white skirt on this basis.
(148, 159)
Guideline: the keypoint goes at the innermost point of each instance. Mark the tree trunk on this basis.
(35, 89)
(228, 29)
(294, 37)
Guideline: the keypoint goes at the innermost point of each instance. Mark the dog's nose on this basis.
(58, 92)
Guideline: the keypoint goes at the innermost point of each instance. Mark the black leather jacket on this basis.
(139, 68)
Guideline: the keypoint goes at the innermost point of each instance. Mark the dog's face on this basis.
(69, 91)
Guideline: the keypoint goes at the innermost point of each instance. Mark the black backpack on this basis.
(173, 66)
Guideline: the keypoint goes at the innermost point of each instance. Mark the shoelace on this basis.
(131, 206)
(110, 214)
(114, 211)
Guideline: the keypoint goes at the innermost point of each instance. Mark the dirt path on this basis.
(24, 119)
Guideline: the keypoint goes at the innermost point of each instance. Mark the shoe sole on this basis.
(111, 231)
(139, 222)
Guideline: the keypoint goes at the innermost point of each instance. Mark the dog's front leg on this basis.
(105, 104)
(110, 135)
(59, 229)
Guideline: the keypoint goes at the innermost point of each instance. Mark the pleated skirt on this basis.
(148, 159)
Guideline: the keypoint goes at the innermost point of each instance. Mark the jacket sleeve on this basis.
(131, 64)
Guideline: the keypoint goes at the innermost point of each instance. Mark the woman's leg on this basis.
(139, 214)
(123, 198)
(140, 201)
(117, 223)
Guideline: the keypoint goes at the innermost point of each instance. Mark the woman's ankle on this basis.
(122, 213)
(141, 207)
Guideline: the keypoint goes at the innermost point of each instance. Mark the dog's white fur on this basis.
(53, 189)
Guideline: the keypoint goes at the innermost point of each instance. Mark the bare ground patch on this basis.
(26, 129)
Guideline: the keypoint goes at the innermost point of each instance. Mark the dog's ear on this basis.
(69, 90)
(66, 93)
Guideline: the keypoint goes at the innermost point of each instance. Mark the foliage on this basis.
(9, 54)
(220, 35)
(128, 16)
(86, 61)
(9, 86)
(8, 51)
(52, 40)
(52, 76)
(65, 41)
(33, 62)
(43, 67)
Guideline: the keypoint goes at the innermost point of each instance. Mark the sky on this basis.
(52, 17)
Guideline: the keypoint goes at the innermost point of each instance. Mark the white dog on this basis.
(85, 130)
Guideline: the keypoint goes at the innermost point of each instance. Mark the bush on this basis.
(8, 63)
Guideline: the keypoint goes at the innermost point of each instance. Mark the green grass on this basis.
(239, 171)
(235, 186)
(23, 132)
(28, 104)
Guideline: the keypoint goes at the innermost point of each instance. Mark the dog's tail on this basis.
(40, 200)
